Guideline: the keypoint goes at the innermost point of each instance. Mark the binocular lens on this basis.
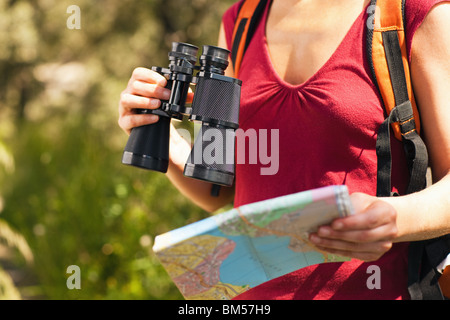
(216, 104)
(212, 156)
(187, 49)
(148, 146)
(214, 57)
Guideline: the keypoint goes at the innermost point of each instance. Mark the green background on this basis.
(64, 193)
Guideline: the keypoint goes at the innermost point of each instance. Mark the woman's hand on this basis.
(366, 235)
(145, 90)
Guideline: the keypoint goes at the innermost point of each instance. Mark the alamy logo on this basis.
(373, 13)
(374, 281)
(217, 146)
(74, 20)
(74, 280)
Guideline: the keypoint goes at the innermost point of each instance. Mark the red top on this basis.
(327, 134)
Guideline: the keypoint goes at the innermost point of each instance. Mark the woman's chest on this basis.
(303, 35)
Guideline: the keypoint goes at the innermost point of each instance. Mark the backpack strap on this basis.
(388, 60)
(425, 282)
(248, 17)
(386, 48)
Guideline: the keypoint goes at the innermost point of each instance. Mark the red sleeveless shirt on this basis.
(327, 129)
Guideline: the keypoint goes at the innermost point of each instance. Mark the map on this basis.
(229, 253)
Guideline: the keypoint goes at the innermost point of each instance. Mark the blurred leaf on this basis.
(8, 290)
(6, 159)
(15, 240)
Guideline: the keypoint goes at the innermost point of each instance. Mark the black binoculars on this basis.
(216, 105)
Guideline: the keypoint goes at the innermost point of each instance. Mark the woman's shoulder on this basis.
(416, 10)
(415, 13)
(229, 18)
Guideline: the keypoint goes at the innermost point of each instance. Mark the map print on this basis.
(226, 254)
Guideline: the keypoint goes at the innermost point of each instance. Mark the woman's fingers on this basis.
(131, 101)
(382, 233)
(130, 121)
(145, 89)
(366, 235)
(370, 255)
(370, 213)
(147, 75)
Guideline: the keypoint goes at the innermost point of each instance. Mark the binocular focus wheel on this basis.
(208, 174)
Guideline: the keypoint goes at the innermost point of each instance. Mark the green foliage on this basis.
(13, 240)
(62, 185)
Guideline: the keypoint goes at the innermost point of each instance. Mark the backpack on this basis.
(387, 57)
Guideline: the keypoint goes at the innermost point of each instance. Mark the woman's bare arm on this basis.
(426, 214)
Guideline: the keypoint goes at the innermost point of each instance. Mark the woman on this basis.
(305, 73)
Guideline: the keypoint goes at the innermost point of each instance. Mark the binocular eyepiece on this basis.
(216, 105)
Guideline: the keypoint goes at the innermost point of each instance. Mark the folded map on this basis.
(226, 254)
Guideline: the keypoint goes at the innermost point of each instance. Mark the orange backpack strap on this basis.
(387, 55)
(248, 17)
(444, 282)
(387, 38)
